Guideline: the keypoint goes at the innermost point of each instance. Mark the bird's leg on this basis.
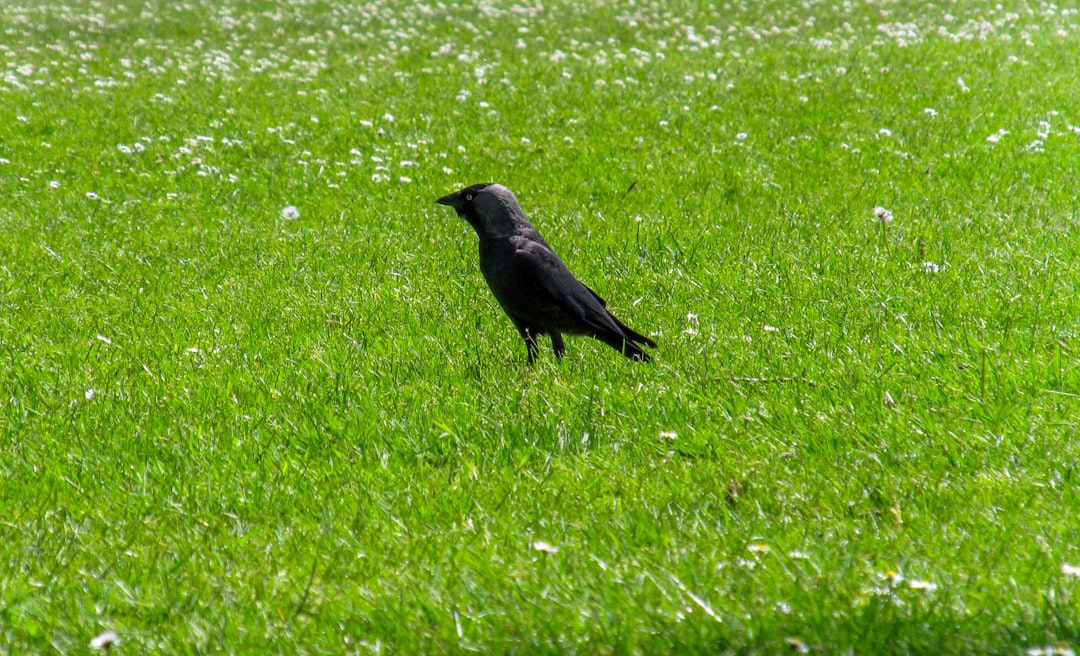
(529, 335)
(533, 348)
(557, 344)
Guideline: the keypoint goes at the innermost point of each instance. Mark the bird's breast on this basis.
(503, 272)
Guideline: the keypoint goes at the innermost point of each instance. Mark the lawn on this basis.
(255, 396)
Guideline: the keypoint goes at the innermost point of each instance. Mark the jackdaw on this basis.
(531, 283)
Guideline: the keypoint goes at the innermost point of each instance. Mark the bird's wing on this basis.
(547, 273)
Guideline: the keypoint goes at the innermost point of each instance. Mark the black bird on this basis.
(531, 283)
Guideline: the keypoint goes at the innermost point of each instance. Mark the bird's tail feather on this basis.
(609, 330)
(625, 346)
(633, 335)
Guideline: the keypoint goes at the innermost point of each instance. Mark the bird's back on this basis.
(535, 287)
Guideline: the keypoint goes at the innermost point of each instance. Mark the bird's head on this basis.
(491, 209)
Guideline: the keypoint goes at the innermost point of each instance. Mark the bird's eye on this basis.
(468, 196)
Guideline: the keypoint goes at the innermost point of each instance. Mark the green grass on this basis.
(227, 431)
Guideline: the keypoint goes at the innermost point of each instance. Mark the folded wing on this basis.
(552, 279)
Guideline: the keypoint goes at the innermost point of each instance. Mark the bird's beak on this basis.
(449, 199)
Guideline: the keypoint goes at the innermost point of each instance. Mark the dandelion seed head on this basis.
(882, 214)
(105, 641)
(1050, 651)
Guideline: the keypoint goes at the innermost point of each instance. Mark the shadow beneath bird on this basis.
(530, 282)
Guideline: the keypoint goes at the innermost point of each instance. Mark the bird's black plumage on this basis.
(530, 282)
